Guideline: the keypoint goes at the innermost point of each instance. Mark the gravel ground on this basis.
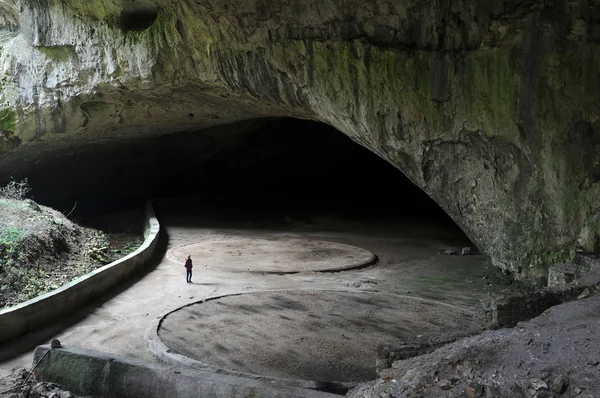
(554, 355)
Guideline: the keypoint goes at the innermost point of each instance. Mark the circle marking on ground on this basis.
(313, 335)
(273, 255)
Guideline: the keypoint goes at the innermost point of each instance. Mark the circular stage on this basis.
(322, 336)
(275, 255)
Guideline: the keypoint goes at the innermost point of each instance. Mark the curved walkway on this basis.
(30, 315)
(409, 264)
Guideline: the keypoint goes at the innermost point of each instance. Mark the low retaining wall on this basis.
(507, 311)
(30, 315)
(416, 346)
(92, 373)
(165, 355)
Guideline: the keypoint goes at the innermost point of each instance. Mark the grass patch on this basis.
(41, 250)
(10, 240)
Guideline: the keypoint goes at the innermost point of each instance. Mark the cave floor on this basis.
(410, 265)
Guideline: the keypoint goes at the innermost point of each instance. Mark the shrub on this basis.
(15, 190)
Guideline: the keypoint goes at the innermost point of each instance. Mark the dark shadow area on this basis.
(137, 20)
(270, 166)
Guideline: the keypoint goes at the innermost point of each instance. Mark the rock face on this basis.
(492, 108)
(532, 359)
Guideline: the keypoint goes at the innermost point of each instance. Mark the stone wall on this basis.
(492, 108)
(507, 311)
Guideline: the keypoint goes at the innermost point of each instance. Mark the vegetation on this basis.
(41, 250)
(59, 54)
(16, 190)
(7, 120)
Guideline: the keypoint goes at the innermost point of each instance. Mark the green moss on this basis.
(164, 29)
(96, 10)
(98, 109)
(7, 119)
(10, 236)
(422, 71)
(488, 92)
(539, 261)
(498, 85)
(373, 81)
(59, 54)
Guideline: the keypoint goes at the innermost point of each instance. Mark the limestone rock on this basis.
(495, 119)
(560, 383)
(445, 384)
(563, 274)
(538, 384)
(586, 292)
(474, 390)
(493, 392)
(449, 252)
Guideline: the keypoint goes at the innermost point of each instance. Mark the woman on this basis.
(188, 266)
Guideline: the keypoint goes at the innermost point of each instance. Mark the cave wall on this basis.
(490, 107)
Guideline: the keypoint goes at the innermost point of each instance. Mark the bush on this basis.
(15, 190)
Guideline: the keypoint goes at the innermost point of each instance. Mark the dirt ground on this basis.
(410, 264)
(554, 355)
(275, 254)
(323, 336)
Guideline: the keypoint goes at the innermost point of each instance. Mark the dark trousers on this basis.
(188, 275)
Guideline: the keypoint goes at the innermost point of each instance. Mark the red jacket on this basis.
(188, 263)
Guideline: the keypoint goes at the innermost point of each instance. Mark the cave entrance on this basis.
(306, 193)
(296, 169)
(302, 169)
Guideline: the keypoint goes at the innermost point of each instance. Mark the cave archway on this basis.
(277, 165)
(330, 186)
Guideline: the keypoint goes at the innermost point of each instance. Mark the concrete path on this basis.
(409, 264)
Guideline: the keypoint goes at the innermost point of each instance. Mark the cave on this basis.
(486, 133)
(272, 197)
(443, 153)
(274, 165)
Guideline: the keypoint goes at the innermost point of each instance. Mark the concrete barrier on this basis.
(26, 317)
(92, 373)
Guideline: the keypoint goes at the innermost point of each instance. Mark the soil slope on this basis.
(555, 354)
(40, 250)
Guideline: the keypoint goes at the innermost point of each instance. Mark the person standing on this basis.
(188, 267)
